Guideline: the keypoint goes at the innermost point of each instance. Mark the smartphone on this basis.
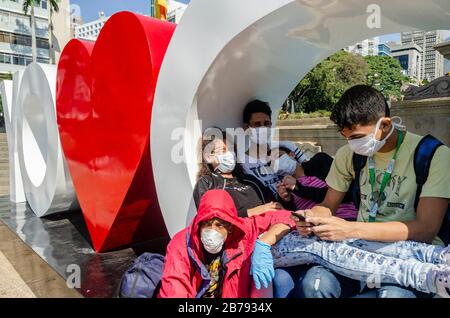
(299, 216)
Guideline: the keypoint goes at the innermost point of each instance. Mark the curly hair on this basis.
(206, 168)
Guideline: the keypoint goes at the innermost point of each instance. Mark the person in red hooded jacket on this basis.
(216, 255)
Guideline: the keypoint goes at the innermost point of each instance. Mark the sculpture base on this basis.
(63, 240)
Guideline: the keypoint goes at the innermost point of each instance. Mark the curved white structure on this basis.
(225, 53)
(47, 184)
(9, 91)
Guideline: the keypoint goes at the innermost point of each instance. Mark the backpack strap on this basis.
(423, 156)
(359, 162)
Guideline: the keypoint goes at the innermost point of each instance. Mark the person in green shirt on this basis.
(388, 186)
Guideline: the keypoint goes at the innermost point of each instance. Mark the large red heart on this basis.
(104, 108)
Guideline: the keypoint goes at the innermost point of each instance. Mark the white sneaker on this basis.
(443, 282)
(446, 255)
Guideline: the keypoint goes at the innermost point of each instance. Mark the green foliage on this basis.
(385, 74)
(324, 85)
(54, 4)
(317, 114)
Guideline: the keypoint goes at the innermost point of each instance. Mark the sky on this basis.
(91, 8)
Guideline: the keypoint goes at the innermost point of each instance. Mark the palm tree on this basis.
(53, 6)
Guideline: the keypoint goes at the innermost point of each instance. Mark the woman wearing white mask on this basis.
(219, 252)
(218, 170)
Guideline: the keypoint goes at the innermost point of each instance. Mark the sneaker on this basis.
(443, 282)
(446, 256)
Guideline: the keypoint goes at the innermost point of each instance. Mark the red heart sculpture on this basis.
(104, 108)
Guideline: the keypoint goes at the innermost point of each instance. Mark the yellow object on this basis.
(161, 9)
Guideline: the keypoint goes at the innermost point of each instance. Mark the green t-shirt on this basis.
(398, 198)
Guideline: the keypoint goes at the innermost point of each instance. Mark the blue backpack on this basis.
(422, 161)
(143, 278)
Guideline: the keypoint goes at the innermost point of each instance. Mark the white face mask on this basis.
(212, 241)
(285, 165)
(227, 162)
(260, 135)
(369, 145)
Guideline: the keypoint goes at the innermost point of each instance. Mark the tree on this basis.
(322, 87)
(29, 5)
(385, 74)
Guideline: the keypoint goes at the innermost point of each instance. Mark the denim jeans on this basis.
(408, 264)
(306, 281)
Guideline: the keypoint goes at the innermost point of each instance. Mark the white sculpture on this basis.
(9, 91)
(46, 181)
(225, 53)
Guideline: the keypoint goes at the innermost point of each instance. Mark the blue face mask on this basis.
(227, 162)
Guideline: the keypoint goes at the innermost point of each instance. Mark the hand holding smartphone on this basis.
(299, 216)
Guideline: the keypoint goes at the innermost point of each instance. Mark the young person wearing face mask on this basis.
(217, 255)
(255, 163)
(218, 171)
(387, 183)
(219, 252)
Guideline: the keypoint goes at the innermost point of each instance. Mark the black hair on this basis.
(318, 166)
(256, 106)
(361, 104)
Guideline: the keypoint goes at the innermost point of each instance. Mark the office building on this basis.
(384, 50)
(367, 47)
(90, 31)
(410, 58)
(15, 34)
(432, 60)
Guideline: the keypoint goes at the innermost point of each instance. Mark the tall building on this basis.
(175, 11)
(432, 60)
(90, 31)
(75, 21)
(365, 48)
(410, 58)
(384, 50)
(61, 24)
(15, 34)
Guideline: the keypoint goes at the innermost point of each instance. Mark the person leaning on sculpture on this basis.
(218, 253)
(218, 170)
(363, 118)
(215, 256)
(255, 162)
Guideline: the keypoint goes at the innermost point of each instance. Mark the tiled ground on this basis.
(24, 273)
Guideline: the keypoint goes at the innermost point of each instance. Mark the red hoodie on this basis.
(185, 275)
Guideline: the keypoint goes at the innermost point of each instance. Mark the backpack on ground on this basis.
(423, 156)
(143, 278)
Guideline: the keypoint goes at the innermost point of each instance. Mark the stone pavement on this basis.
(22, 272)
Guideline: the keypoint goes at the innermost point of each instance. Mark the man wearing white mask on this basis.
(256, 161)
(397, 200)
